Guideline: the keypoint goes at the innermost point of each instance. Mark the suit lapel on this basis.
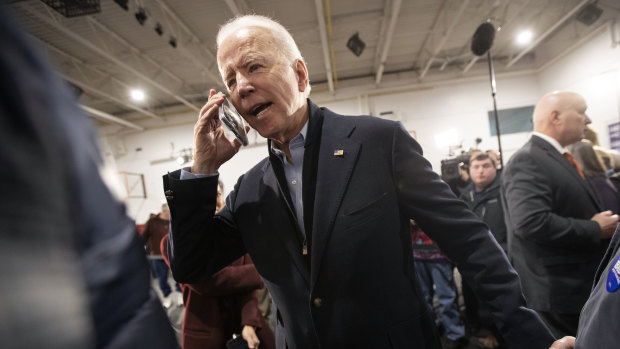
(570, 168)
(288, 235)
(338, 154)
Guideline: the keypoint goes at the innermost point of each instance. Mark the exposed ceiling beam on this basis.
(107, 117)
(548, 32)
(106, 55)
(438, 14)
(388, 40)
(178, 21)
(320, 15)
(95, 90)
(444, 38)
(133, 49)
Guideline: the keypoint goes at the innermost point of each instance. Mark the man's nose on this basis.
(244, 85)
(588, 121)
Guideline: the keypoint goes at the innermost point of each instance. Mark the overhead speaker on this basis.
(589, 14)
(356, 45)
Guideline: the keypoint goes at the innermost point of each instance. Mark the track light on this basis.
(159, 29)
(122, 4)
(173, 41)
(356, 45)
(141, 15)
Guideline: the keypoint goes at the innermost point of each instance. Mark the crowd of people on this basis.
(345, 223)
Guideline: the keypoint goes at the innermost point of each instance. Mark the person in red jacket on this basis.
(224, 304)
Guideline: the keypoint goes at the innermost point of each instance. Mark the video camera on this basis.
(450, 168)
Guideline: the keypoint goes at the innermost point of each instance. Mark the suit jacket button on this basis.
(168, 194)
(317, 302)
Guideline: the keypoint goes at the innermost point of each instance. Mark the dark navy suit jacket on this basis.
(359, 287)
(552, 242)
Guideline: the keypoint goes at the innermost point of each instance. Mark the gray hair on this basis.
(285, 42)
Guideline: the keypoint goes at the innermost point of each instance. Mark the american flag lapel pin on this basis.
(339, 152)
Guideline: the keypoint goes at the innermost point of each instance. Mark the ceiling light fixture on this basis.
(137, 95)
(159, 29)
(525, 37)
(141, 15)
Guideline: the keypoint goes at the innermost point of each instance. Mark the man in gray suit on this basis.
(325, 217)
(557, 233)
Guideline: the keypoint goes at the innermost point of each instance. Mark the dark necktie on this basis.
(572, 160)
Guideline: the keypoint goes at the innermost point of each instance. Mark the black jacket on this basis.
(489, 208)
(552, 243)
(75, 272)
(371, 179)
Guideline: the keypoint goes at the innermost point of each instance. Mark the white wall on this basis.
(592, 69)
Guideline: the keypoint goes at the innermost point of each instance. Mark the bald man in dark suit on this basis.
(557, 233)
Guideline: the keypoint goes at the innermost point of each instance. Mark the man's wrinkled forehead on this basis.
(244, 37)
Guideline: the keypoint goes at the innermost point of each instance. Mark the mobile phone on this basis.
(237, 343)
(233, 121)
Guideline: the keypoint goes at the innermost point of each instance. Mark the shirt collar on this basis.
(551, 141)
(300, 139)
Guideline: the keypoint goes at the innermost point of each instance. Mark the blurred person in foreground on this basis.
(75, 272)
(557, 228)
(325, 217)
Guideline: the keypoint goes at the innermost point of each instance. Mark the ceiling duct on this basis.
(74, 8)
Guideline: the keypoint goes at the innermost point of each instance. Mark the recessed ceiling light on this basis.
(525, 37)
(137, 95)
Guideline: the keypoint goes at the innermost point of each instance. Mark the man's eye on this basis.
(253, 67)
(230, 82)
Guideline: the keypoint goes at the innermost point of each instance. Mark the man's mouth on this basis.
(258, 110)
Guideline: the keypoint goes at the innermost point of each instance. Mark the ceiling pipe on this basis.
(107, 117)
(320, 14)
(382, 33)
(444, 38)
(548, 32)
(108, 56)
(388, 40)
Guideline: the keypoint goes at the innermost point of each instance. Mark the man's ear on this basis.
(555, 117)
(301, 72)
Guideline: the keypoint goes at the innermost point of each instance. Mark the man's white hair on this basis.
(285, 43)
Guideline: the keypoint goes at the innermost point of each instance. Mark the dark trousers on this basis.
(161, 272)
(560, 324)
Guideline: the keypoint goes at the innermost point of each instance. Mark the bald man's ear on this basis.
(555, 116)
(302, 74)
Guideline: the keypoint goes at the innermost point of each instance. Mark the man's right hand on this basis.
(608, 223)
(211, 147)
